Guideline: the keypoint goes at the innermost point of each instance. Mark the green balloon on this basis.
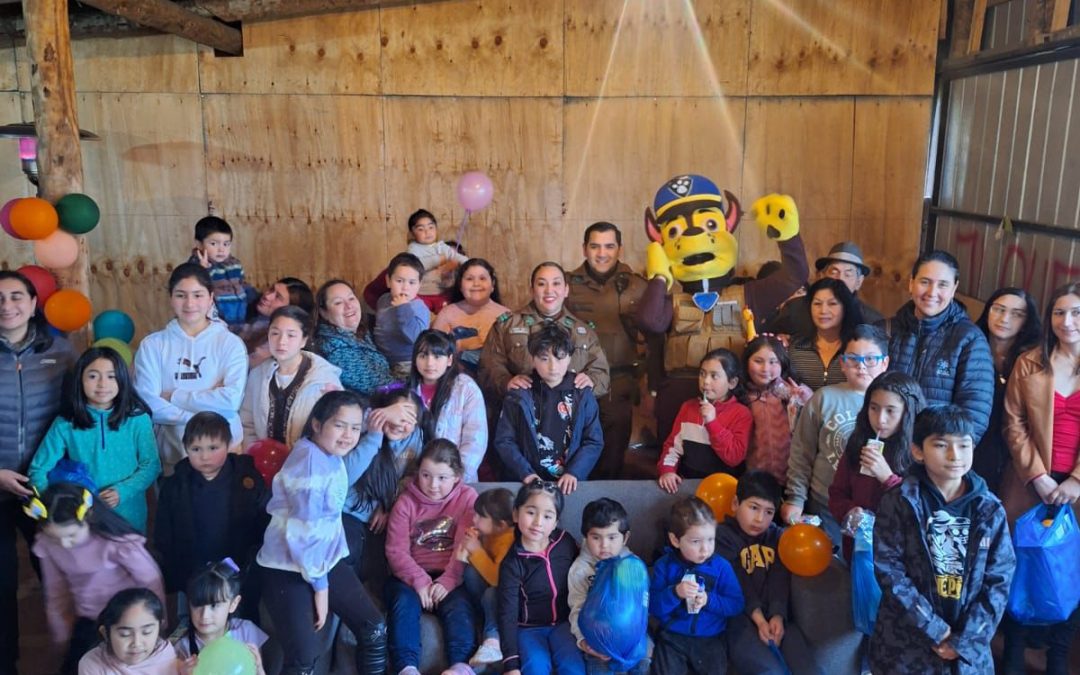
(117, 346)
(225, 656)
(78, 213)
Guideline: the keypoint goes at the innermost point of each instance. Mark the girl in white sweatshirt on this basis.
(194, 364)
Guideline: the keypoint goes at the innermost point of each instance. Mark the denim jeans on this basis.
(455, 613)
(484, 598)
(550, 649)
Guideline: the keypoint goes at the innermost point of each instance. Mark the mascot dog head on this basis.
(693, 222)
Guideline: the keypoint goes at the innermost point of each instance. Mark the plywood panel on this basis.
(317, 157)
(802, 147)
(324, 54)
(618, 152)
(856, 47)
(650, 48)
(473, 48)
(891, 138)
(517, 142)
(147, 64)
(312, 250)
(150, 159)
(131, 257)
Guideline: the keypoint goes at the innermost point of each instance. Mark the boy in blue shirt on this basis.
(693, 594)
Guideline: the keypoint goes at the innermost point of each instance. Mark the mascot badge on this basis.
(691, 227)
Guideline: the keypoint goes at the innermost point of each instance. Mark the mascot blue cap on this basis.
(687, 188)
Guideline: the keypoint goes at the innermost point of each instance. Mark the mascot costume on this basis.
(691, 228)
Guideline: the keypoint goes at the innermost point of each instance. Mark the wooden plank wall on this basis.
(330, 130)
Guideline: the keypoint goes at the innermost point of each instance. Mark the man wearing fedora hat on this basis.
(844, 262)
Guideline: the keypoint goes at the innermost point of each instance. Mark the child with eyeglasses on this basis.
(823, 428)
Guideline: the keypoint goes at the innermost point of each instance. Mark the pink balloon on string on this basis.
(5, 218)
(57, 251)
(474, 190)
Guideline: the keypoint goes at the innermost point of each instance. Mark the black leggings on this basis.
(291, 603)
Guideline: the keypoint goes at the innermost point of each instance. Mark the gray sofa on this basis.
(821, 605)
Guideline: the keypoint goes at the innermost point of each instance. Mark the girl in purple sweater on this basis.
(88, 553)
(427, 523)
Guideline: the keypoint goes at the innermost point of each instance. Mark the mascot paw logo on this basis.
(690, 227)
(777, 216)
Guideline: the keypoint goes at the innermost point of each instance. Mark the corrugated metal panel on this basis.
(989, 258)
(1012, 145)
(1004, 25)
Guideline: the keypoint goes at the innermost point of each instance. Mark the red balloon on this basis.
(43, 280)
(269, 456)
(5, 218)
(805, 550)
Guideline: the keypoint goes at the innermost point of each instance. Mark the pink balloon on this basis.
(5, 218)
(57, 251)
(474, 190)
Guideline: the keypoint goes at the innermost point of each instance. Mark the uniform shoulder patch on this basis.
(529, 320)
(504, 317)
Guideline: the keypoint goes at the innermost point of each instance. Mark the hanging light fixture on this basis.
(27, 135)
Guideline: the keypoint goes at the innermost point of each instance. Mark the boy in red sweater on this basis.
(710, 433)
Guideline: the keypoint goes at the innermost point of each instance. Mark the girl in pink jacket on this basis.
(88, 553)
(427, 523)
(131, 625)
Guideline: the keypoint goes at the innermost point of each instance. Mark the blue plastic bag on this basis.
(1044, 586)
(615, 615)
(865, 592)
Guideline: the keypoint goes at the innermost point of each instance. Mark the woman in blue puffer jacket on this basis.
(32, 367)
(933, 340)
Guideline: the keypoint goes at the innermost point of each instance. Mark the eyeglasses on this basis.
(836, 272)
(1001, 310)
(870, 360)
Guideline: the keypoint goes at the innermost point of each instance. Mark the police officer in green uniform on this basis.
(505, 362)
(605, 292)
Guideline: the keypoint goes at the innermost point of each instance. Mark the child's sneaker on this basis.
(489, 652)
(459, 669)
(409, 670)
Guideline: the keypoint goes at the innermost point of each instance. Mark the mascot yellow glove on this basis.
(657, 263)
(777, 216)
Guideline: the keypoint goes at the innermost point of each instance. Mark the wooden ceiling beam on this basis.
(265, 10)
(169, 17)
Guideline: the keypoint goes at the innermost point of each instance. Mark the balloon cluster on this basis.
(52, 229)
(115, 329)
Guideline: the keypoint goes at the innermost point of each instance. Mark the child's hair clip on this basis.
(35, 508)
(84, 507)
(231, 564)
(387, 388)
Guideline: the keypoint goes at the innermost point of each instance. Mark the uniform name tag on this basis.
(519, 330)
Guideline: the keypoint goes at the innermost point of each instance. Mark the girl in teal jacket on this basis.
(105, 425)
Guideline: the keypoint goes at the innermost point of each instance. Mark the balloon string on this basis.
(461, 230)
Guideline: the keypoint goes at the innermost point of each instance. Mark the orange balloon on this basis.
(718, 491)
(68, 310)
(805, 550)
(33, 218)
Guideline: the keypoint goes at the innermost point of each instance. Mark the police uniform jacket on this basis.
(506, 352)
